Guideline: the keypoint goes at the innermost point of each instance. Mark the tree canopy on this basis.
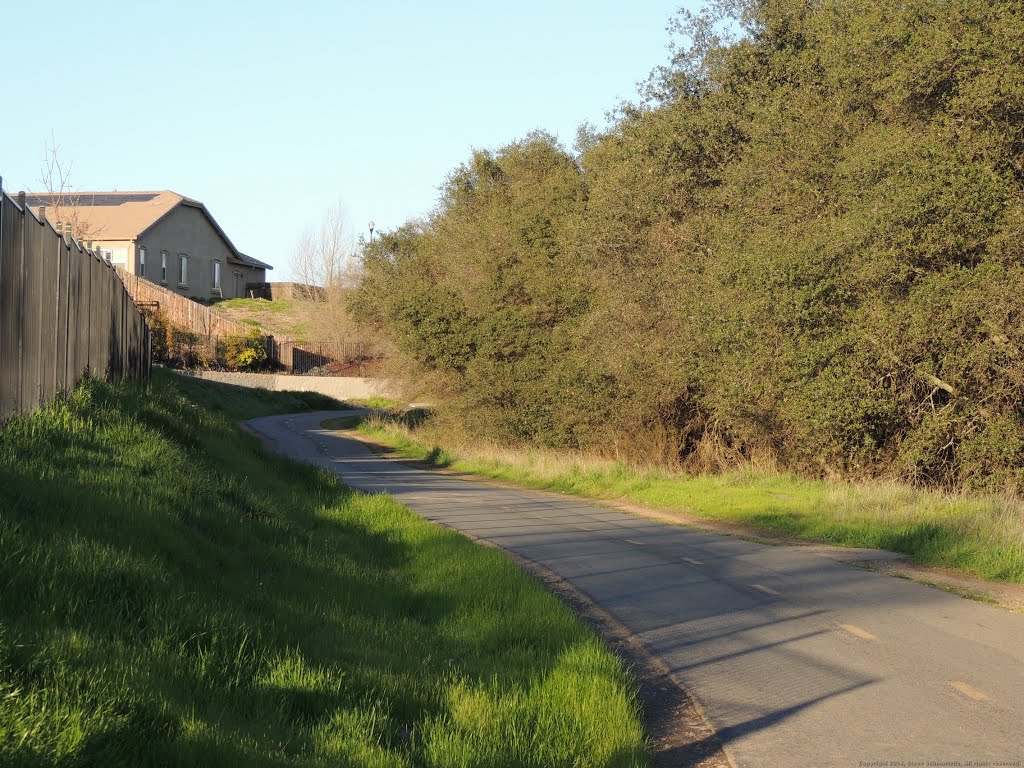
(806, 243)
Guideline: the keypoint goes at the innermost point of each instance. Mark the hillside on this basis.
(323, 327)
(281, 317)
(173, 595)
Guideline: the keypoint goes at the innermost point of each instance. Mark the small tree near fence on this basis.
(161, 334)
(182, 348)
(246, 352)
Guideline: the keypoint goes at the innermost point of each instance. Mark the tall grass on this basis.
(977, 534)
(174, 596)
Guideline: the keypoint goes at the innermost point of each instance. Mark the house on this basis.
(164, 237)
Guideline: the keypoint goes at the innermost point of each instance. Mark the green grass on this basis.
(278, 306)
(289, 317)
(980, 535)
(237, 403)
(172, 595)
(375, 401)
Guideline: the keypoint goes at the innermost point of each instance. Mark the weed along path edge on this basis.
(794, 658)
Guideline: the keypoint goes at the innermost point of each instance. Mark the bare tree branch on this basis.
(66, 202)
(325, 253)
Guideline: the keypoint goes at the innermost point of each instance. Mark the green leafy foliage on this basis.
(807, 246)
(183, 348)
(246, 352)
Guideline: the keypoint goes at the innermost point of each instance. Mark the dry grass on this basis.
(977, 534)
(282, 317)
(992, 518)
(305, 321)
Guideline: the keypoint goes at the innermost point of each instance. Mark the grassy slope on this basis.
(979, 535)
(288, 317)
(174, 596)
(237, 403)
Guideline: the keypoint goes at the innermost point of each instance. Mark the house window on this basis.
(216, 276)
(182, 269)
(142, 260)
(163, 267)
(118, 256)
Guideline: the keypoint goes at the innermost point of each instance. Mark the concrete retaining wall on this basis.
(340, 387)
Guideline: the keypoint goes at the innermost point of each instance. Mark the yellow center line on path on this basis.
(853, 629)
(969, 691)
(766, 590)
(634, 541)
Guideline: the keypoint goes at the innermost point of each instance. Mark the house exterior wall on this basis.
(238, 275)
(111, 245)
(186, 231)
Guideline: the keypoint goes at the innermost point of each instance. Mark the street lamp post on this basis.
(371, 231)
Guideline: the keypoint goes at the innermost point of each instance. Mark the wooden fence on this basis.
(179, 310)
(64, 313)
(275, 291)
(201, 335)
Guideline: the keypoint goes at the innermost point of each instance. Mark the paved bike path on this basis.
(797, 659)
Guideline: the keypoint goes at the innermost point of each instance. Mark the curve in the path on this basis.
(797, 659)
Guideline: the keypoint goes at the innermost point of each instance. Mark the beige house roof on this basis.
(110, 215)
(123, 215)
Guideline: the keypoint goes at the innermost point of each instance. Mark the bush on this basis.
(161, 334)
(805, 246)
(246, 352)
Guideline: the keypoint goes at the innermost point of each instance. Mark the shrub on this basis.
(161, 334)
(246, 352)
(805, 246)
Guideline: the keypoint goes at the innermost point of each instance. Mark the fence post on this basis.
(20, 399)
(32, 347)
(3, 223)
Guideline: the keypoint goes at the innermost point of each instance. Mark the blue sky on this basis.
(270, 113)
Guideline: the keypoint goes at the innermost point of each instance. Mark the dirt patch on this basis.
(1008, 596)
(368, 367)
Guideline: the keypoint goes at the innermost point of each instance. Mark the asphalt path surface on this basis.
(796, 658)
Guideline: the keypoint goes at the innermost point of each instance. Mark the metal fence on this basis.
(330, 357)
(180, 348)
(64, 313)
